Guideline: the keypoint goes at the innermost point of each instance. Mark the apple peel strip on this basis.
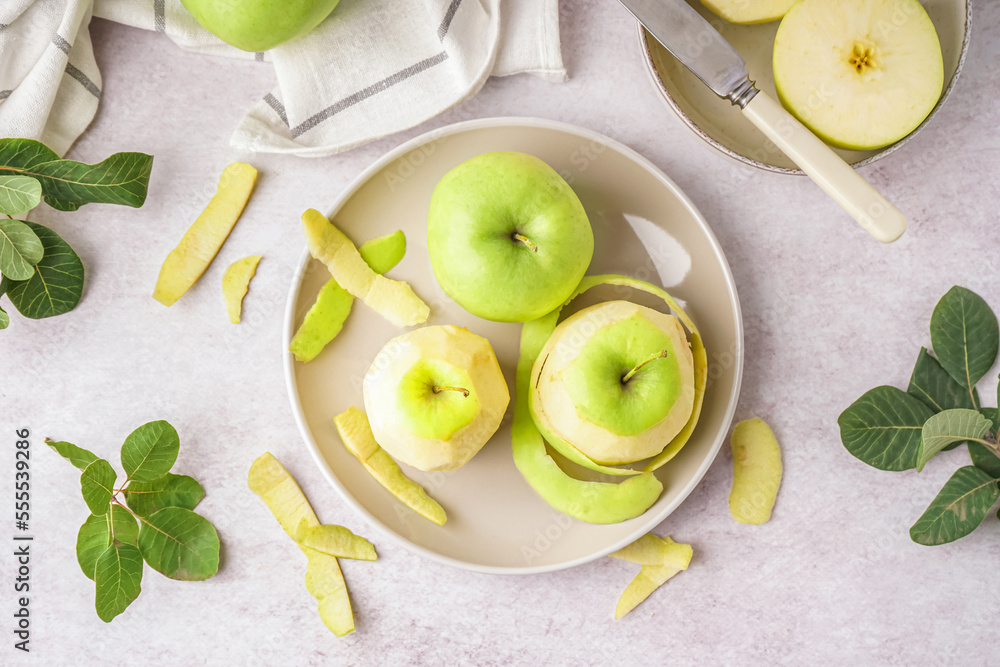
(593, 502)
(660, 560)
(286, 501)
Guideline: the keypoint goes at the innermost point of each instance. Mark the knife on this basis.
(692, 40)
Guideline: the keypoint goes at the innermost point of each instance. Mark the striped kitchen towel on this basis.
(374, 67)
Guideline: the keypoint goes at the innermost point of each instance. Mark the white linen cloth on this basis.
(372, 68)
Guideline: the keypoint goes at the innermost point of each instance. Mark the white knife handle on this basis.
(837, 178)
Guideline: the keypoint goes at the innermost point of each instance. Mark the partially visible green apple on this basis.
(435, 396)
(259, 25)
(615, 381)
(508, 238)
(749, 11)
(861, 74)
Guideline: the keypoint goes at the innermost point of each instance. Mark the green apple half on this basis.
(593, 502)
(616, 380)
(508, 238)
(861, 74)
(749, 11)
(435, 396)
(259, 25)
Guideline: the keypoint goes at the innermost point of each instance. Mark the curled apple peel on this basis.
(324, 580)
(594, 502)
(660, 558)
(327, 315)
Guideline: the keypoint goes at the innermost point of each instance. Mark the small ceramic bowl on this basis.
(722, 125)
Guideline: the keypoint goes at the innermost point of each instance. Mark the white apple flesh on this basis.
(435, 396)
(615, 381)
(861, 74)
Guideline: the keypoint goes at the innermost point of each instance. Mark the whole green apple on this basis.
(259, 25)
(508, 238)
(435, 396)
(615, 381)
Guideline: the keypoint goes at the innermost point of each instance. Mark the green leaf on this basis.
(931, 383)
(97, 483)
(949, 427)
(982, 456)
(882, 428)
(20, 249)
(122, 178)
(993, 414)
(124, 527)
(96, 533)
(984, 459)
(965, 336)
(149, 451)
(19, 194)
(180, 544)
(118, 576)
(57, 284)
(79, 457)
(960, 506)
(92, 540)
(145, 498)
(4, 319)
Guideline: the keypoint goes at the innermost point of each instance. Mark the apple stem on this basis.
(524, 239)
(653, 357)
(465, 392)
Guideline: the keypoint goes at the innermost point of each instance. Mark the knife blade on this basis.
(693, 41)
(698, 46)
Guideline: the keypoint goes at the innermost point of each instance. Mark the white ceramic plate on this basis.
(723, 127)
(644, 226)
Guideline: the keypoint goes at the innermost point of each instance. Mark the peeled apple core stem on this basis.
(653, 357)
(463, 390)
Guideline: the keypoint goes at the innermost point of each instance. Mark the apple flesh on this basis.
(435, 396)
(749, 11)
(861, 74)
(259, 25)
(508, 238)
(615, 380)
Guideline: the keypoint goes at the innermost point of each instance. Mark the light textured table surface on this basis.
(829, 314)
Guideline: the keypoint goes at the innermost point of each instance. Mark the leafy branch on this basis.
(156, 523)
(41, 274)
(894, 430)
